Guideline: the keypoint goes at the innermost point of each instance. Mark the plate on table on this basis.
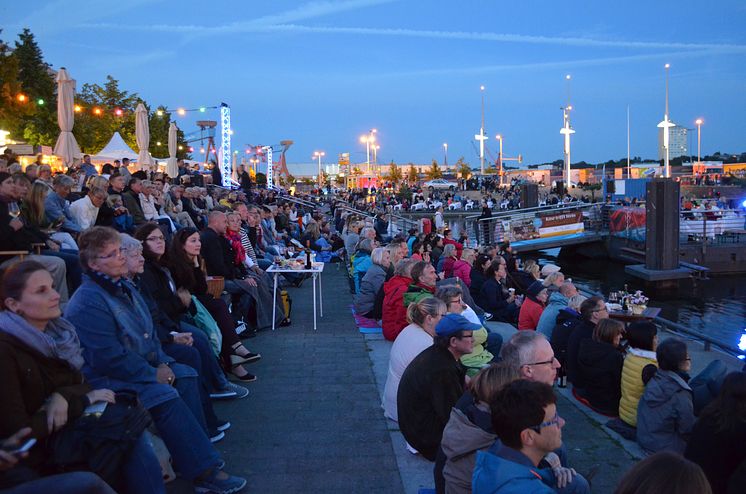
(613, 307)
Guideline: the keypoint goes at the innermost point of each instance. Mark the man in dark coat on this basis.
(432, 384)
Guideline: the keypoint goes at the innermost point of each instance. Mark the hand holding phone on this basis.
(23, 448)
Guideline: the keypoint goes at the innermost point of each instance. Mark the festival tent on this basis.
(116, 149)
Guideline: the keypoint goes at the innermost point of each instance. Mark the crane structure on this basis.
(265, 153)
(498, 162)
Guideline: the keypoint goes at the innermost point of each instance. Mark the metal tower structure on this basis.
(567, 131)
(666, 125)
(225, 144)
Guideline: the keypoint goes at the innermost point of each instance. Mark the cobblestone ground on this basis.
(312, 422)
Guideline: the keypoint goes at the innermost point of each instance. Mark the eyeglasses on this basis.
(119, 252)
(554, 421)
(550, 361)
(155, 238)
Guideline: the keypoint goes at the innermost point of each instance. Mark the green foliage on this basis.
(158, 126)
(463, 168)
(434, 171)
(94, 131)
(261, 178)
(394, 174)
(412, 174)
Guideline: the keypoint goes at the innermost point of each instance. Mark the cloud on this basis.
(309, 10)
(501, 37)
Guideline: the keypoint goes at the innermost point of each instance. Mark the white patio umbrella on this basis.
(66, 147)
(171, 168)
(142, 135)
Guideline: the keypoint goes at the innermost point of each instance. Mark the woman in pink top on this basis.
(462, 267)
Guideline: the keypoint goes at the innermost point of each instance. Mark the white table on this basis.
(316, 270)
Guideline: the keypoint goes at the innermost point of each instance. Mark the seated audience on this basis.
(718, 437)
(424, 279)
(422, 316)
(532, 306)
(447, 260)
(84, 211)
(462, 267)
(432, 383)
(372, 282)
(642, 338)
(44, 390)
(557, 301)
(35, 216)
(665, 473)
(362, 260)
(525, 419)
(394, 317)
(600, 362)
(477, 276)
(56, 206)
(592, 310)
(469, 428)
(567, 319)
(495, 297)
(187, 268)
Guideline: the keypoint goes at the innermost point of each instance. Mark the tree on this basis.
(412, 175)
(159, 125)
(96, 130)
(339, 180)
(261, 178)
(463, 169)
(10, 108)
(38, 124)
(306, 181)
(394, 174)
(434, 171)
(592, 188)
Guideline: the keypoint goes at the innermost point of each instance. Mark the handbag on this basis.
(101, 441)
(201, 318)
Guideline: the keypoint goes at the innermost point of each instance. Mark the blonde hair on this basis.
(35, 203)
(429, 306)
(491, 379)
(607, 329)
(468, 255)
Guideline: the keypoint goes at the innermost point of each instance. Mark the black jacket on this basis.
(583, 331)
(156, 281)
(131, 201)
(430, 386)
(17, 239)
(567, 320)
(600, 375)
(477, 280)
(719, 453)
(218, 255)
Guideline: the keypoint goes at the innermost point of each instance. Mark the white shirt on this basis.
(408, 344)
(84, 212)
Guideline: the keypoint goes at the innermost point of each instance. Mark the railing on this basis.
(511, 225)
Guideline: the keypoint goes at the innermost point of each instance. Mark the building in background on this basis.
(677, 140)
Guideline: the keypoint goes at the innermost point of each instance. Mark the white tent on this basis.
(116, 149)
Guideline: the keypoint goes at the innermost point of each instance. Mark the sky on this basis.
(323, 73)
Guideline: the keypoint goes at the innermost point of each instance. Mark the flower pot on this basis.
(638, 309)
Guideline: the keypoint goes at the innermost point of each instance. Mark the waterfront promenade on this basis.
(313, 421)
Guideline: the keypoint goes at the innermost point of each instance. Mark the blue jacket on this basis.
(360, 265)
(120, 347)
(548, 318)
(56, 207)
(504, 470)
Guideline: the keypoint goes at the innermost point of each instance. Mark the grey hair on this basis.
(377, 255)
(576, 301)
(449, 250)
(365, 244)
(520, 349)
(63, 181)
(129, 243)
(550, 279)
(448, 292)
(404, 267)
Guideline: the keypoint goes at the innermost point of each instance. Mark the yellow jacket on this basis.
(479, 356)
(632, 385)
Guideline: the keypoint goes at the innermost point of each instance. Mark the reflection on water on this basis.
(716, 307)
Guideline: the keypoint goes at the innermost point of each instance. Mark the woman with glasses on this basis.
(422, 316)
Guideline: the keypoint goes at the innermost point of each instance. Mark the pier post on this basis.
(529, 195)
(662, 224)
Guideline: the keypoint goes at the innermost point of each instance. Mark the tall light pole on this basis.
(445, 155)
(368, 139)
(499, 137)
(666, 125)
(567, 131)
(319, 154)
(481, 137)
(699, 123)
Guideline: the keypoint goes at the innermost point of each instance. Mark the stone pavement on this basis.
(313, 421)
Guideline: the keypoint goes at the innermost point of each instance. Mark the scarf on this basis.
(58, 340)
(234, 238)
(110, 285)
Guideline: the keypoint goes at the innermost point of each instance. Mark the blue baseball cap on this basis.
(451, 324)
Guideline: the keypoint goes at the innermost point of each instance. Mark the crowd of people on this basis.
(125, 302)
(485, 412)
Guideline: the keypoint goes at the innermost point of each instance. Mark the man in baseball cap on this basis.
(432, 384)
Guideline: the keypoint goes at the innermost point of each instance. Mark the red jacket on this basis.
(394, 311)
(459, 247)
(530, 313)
(448, 266)
(462, 270)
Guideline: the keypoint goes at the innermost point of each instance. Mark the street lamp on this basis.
(445, 156)
(500, 158)
(666, 125)
(319, 154)
(699, 123)
(368, 139)
(481, 137)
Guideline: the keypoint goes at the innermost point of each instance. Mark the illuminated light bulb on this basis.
(158, 143)
(248, 151)
(97, 111)
(78, 109)
(181, 147)
(21, 98)
(202, 150)
(40, 101)
(191, 149)
(230, 132)
(202, 109)
(181, 112)
(118, 112)
(159, 113)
